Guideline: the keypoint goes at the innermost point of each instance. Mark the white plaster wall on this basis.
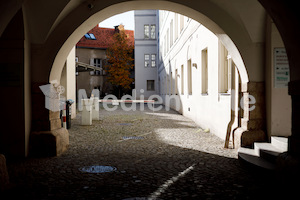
(212, 110)
(278, 101)
(68, 80)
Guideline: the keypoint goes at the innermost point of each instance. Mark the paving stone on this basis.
(143, 166)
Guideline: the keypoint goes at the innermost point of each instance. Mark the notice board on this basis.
(281, 68)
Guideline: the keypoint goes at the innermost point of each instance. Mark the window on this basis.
(176, 26)
(147, 60)
(87, 36)
(181, 22)
(171, 83)
(150, 85)
(204, 71)
(166, 84)
(97, 62)
(182, 79)
(168, 40)
(163, 85)
(153, 31)
(165, 45)
(146, 32)
(90, 36)
(176, 82)
(225, 63)
(153, 60)
(171, 33)
(190, 89)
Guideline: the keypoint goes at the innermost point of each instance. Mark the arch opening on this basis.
(101, 15)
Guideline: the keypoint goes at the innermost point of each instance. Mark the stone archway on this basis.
(225, 36)
(53, 22)
(235, 43)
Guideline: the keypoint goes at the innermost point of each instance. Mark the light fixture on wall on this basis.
(195, 65)
(90, 6)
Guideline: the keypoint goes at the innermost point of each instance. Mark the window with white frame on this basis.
(166, 84)
(153, 60)
(181, 23)
(189, 78)
(165, 45)
(171, 33)
(153, 28)
(147, 60)
(97, 62)
(171, 84)
(225, 63)
(146, 31)
(182, 79)
(204, 67)
(168, 40)
(176, 26)
(176, 82)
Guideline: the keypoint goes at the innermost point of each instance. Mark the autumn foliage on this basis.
(120, 61)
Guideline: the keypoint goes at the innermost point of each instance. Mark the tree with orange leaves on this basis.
(120, 61)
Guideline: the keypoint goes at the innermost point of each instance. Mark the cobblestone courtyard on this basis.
(160, 155)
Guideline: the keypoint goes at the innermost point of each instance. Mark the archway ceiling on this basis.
(248, 14)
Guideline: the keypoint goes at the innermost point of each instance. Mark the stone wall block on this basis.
(49, 143)
(249, 137)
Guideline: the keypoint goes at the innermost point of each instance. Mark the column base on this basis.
(4, 178)
(250, 136)
(288, 166)
(293, 146)
(49, 143)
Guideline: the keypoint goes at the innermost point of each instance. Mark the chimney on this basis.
(119, 28)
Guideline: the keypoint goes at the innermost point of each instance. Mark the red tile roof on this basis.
(103, 38)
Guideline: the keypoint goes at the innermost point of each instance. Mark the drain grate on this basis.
(97, 169)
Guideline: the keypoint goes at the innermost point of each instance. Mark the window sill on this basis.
(204, 94)
(224, 94)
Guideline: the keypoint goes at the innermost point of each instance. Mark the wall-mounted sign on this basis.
(281, 68)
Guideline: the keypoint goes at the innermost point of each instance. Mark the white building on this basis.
(146, 40)
(196, 68)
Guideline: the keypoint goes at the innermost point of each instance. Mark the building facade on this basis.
(196, 69)
(91, 50)
(146, 51)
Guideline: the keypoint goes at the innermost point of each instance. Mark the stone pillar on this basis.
(253, 122)
(288, 163)
(48, 138)
(294, 139)
(42, 118)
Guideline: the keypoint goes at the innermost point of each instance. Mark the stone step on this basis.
(258, 146)
(280, 143)
(250, 156)
(270, 156)
(264, 155)
(248, 151)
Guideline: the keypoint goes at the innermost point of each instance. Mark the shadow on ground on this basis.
(145, 167)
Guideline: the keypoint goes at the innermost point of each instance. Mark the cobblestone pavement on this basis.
(160, 155)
